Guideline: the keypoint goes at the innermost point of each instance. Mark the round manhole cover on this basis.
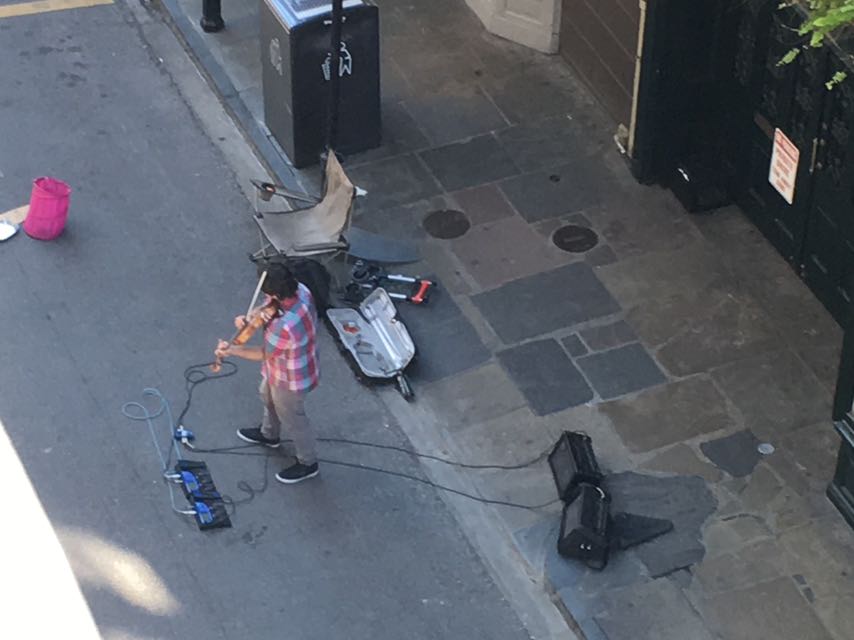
(575, 238)
(446, 224)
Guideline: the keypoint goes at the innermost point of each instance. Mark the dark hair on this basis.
(280, 282)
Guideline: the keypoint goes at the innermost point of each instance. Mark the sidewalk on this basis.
(678, 343)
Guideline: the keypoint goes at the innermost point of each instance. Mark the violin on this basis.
(258, 318)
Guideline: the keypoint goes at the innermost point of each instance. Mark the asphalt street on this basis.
(148, 274)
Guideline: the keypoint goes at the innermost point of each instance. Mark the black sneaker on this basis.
(254, 436)
(297, 472)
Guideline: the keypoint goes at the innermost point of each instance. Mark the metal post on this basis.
(335, 73)
(212, 16)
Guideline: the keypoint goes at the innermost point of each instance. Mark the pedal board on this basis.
(201, 492)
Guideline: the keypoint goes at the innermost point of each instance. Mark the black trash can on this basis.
(295, 62)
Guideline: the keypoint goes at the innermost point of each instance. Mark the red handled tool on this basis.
(370, 276)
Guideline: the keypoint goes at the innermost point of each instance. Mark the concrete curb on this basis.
(207, 64)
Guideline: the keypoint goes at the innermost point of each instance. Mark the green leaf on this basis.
(790, 56)
(837, 78)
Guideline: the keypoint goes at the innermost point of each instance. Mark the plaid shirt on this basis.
(289, 347)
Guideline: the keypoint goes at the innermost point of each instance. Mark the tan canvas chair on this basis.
(311, 231)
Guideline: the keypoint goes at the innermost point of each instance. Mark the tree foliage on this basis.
(825, 19)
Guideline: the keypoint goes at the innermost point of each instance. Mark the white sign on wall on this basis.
(784, 166)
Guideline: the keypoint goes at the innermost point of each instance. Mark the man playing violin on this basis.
(289, 370)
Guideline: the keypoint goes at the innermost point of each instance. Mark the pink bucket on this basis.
(48, 208)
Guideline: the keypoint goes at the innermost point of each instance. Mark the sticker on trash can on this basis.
(784, 166)
(276, 55)
(345, 64)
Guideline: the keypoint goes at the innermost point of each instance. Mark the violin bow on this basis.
(257, 292)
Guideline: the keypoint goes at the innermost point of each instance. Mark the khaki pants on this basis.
(284, 407)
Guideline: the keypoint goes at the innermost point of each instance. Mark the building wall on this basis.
(533, 23)
(599, 39)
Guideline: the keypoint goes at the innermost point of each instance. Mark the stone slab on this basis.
(550, 142)
(402, 222)
(530, 95)
(556, 191)
(511, 438)
(637, 219)
(600, 256)
(823, 361)
(574, 346)
(452, 110)
(686, 501)
(730, 535)
(681, 459)
(698, 330)
(469, 163)
(655, 276)
(669, 414)
(548, 227)
(656, 609)
(775, 392)
(805, 460)
(837, 613)
(545, 375)
(535, 541)
(445, 340)
(736, 454)
(450, 348)
(427, 67)
(484, 203)
(400, 134)
(758, 492)
(583, 590)
(475, 396)
(449, 274)
(545, 302)
(823, 554)
(754, 563)
(393, 181)
(621, 371)
(799, 317)
(767, 611)
(608, 336)
(504, 250)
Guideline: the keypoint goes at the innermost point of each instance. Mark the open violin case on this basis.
(375, 339)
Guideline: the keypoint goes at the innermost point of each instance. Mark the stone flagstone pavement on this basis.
(678, 343)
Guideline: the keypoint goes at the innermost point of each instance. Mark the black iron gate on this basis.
(815, 233)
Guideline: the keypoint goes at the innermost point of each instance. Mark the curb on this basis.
(208, 66)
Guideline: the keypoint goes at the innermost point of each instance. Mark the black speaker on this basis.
(572, 462)
(584, 527)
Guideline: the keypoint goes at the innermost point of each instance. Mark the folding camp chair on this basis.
(323, 228)
(309, 231)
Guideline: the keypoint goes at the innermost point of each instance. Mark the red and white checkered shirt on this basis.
(290, 355)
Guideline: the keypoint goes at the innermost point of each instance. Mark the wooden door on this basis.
(599, 39)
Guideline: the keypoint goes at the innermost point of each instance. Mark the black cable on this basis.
(430, 483)
(250, 491)
(465, 465)
(428, 456)
(197, 374)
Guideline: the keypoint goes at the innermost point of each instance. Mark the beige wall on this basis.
(533, 23)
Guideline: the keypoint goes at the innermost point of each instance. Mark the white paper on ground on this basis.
(7, 230)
